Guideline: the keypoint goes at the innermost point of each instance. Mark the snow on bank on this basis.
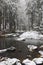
(3, 50)
(41, 52)
(41, 46)
(10, 62)
(28, 62)
(31, 47)
(35, 61)
(8, 49)
(38, 60)
(6, 35)
(31, 35)
(10, 34)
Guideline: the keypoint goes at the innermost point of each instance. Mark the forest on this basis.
(21, 32)
(21, 15)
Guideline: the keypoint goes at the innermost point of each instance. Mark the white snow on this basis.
(20, 39)
(28, 62)
(41, 52)
(10, 61)
(41, 36)
(38, 60)
(30, 34)
(15, 34)
(41, 46)
(3, 50)
(8, 34)
(10, 48)
(18, 63)
(32, 47)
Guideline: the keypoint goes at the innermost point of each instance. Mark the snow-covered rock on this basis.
(20, 39)
(38, 60)
(41, 36)
(28, 62)
(3, 50)
(31, 47)
(11, 48)
(10, 62)
(41, 46)
(14, 35)
(8, 34)
(2, 63)
(30, 34)
(41, 52)
(8, 49)
(18, 63)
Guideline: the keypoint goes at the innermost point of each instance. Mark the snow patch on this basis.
(20, 39)
(38, 60)
(32, 47)
(41, 46)
(28, 62)
(30, 34)
(3, 50)
(41, 52)
(10, 61)
(8, 34)
(8, 49)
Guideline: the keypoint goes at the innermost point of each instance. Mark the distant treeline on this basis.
(9, 21)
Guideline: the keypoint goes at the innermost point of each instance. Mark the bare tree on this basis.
(35, 11)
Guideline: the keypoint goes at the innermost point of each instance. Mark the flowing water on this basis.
(21, 52)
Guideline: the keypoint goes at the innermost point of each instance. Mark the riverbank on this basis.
(35, 35)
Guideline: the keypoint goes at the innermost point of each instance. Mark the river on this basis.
(21, 52)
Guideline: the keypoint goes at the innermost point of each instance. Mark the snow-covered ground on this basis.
(34, 61)
(31, 35)
(38, 60)
(10, 34)
(26, 35)
(28, 62)
(6, 35)
(7, 49)
(15, 61)
(10, 61)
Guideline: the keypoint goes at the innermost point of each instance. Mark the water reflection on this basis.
(21, 52)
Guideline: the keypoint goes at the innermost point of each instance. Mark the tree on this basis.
(9, 13)
(0, 19)
(35, 11)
